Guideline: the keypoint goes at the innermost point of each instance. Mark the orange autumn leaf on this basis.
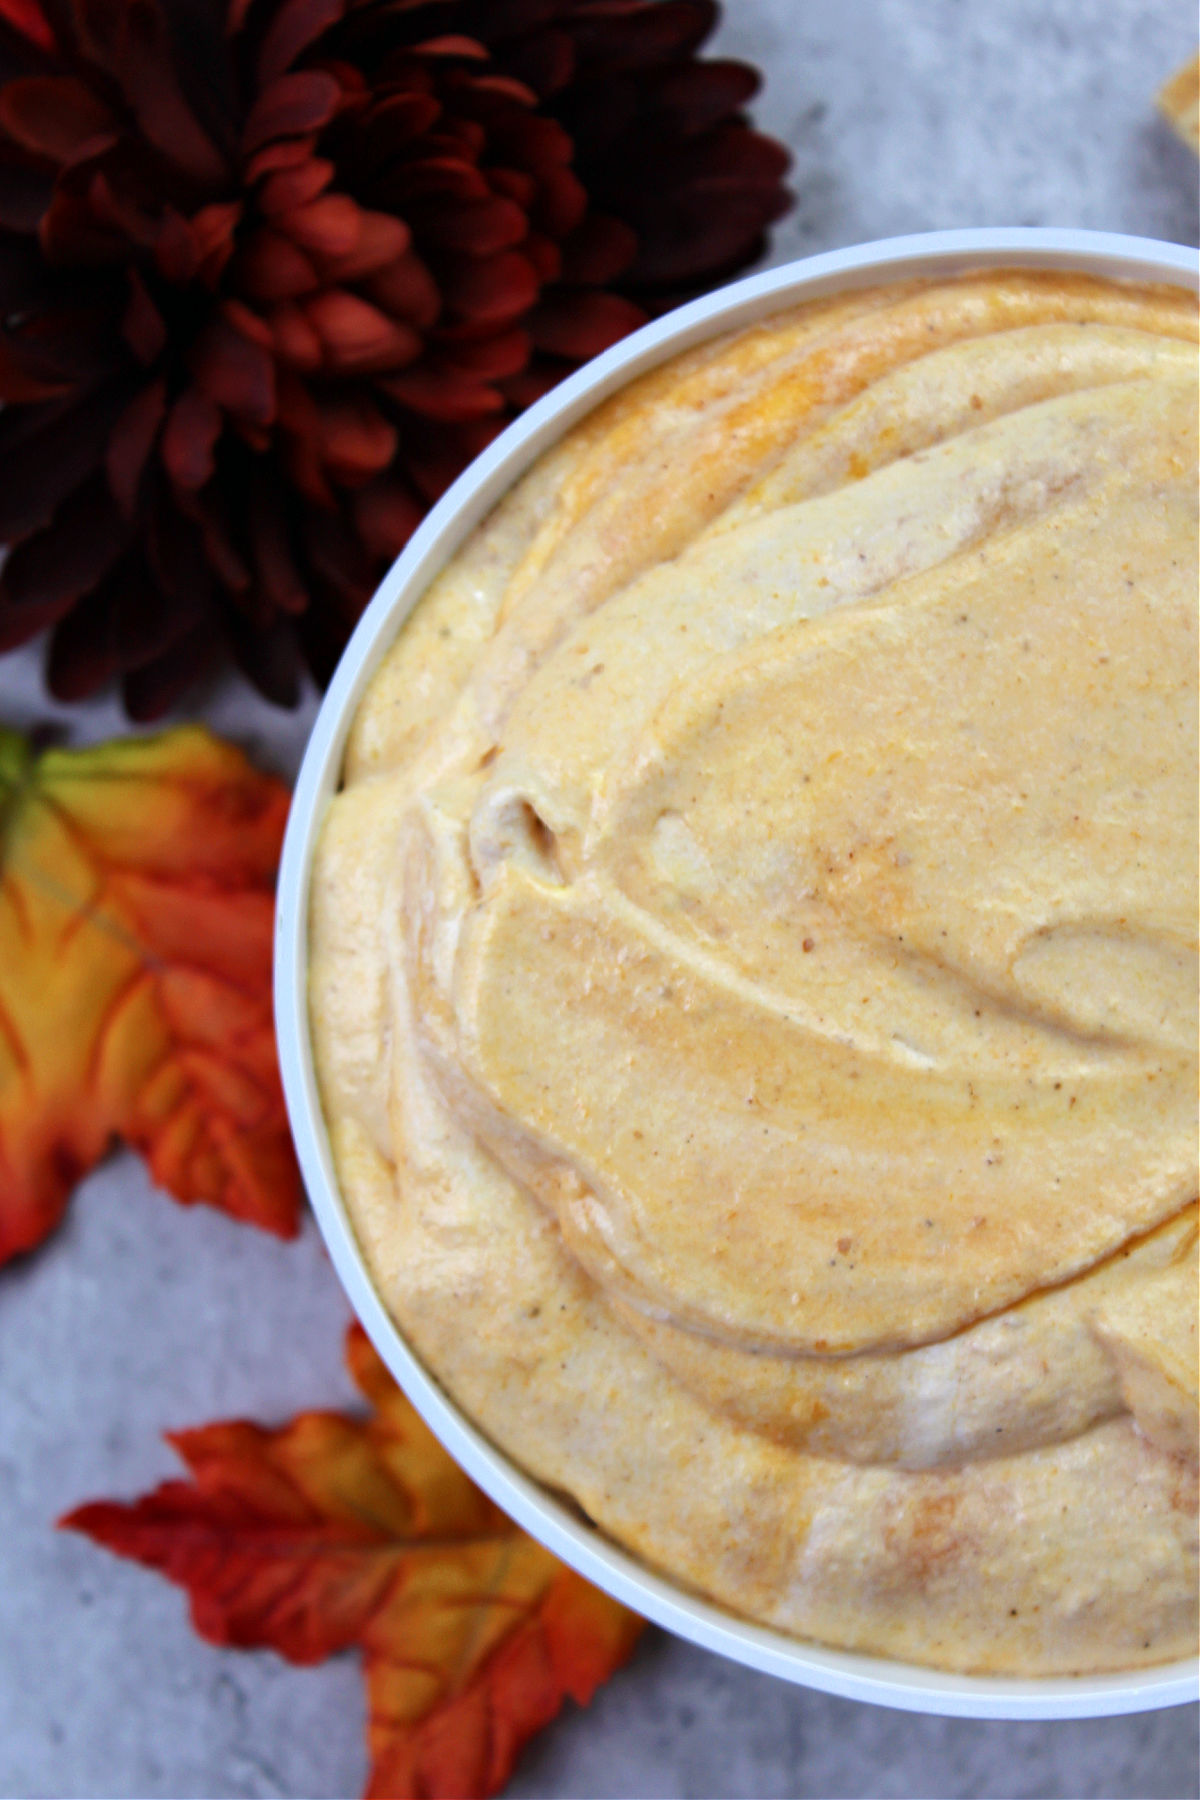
(136, 920)
(335, 1532)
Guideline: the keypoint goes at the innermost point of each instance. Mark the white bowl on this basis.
(473, 495)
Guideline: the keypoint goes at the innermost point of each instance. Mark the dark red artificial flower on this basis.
(273, 271)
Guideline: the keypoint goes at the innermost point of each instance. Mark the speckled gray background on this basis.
(902, 115)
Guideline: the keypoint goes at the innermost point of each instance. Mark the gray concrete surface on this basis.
(902, 115)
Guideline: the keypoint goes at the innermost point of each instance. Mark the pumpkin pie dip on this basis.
(754, 973)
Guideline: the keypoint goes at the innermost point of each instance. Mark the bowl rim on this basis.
(852, 1676)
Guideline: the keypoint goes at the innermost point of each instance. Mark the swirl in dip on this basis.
(754, 972)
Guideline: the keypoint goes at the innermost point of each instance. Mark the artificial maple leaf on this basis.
(333, 1532)
(136, 921)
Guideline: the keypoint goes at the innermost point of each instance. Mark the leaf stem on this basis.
(16, 767)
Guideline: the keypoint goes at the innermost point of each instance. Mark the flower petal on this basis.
(292, 187)
(454, 44)
(490, 288)
(140, 627)
(408, 291)
(395, 120)
(47, 450)
(132, 43)
(527, 387)
(24, 196)
(544, 61)
(19, 385)
(300, 423)
(285, 154)
(296, 340)
(357, 337)
(381, 239)
(69, 555)
(83, 655)
(213, 229)
(69, 345)
(210, 508)
(438, 393)
(175, 249)
(505, 87)
(625, 37)
(55, 116)
(598, 252)
(440, 178)
(544, 255)
(190, 439)
(386, 513)
(356, 440)
(267, 655)
(330, 225)
(478, 227)
(561, 201)
(515, 183)
(529, 140)
(275, 566)
(443, 452)
(698, 95)
(235, 373)
(712, 223)
(582, 324)
(339, 558)
(488, 358)
(133, 437)
(295, 103)
(271, 267)
(142, 325)
(174, 556)
(150, 691)
(27, 17)
(247, 322)
(296, 25)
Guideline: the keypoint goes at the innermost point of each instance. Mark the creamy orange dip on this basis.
(754, 973)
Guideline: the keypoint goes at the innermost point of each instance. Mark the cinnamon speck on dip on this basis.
(754, 972)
